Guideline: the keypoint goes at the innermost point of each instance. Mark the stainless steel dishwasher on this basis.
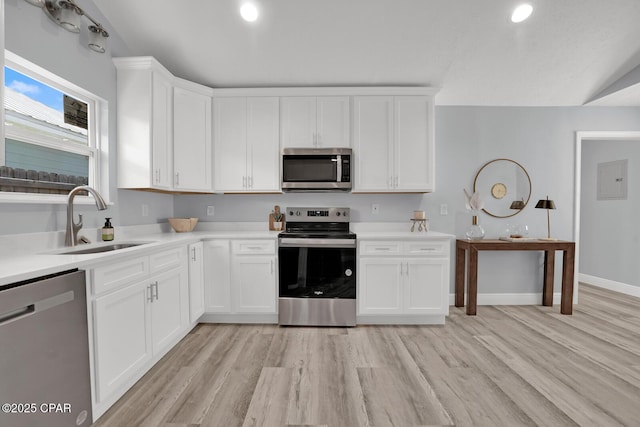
(44, 352)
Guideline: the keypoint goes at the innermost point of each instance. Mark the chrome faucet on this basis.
(71, 237)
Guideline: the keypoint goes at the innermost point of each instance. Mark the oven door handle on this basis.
(316, 243)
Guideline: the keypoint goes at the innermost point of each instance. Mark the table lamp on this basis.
(547, 204)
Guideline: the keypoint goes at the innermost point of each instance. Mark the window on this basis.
(51, 141)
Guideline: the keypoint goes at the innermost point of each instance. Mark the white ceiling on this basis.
(567, 53)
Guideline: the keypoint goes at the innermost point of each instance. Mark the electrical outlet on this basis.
(444, 209)
(145, 209)
(211, 210)
(375, 208)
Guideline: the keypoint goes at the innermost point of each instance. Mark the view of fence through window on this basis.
(46, 146)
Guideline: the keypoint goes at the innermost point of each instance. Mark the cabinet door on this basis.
(217, 280)
(230, 143)
(373, 143)
(192, 157)
(254, 284)
(161, 122)
(122, 337)
(298, 121)
(263, 144)
(196, 281)
(332, 121)
(380, 290)
(169, 308)
(426, 286)
(414, 161)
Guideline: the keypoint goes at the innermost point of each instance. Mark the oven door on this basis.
(317, 268)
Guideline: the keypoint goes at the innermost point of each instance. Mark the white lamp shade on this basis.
(97, 42)
(69, 19)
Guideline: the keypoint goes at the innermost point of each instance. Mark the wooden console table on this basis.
(548, 246)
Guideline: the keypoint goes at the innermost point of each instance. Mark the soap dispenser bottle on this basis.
(107, 230)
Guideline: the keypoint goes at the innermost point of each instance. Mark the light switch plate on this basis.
(444, 209)
(211, 210)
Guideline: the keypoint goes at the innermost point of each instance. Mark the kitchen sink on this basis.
(99, 249)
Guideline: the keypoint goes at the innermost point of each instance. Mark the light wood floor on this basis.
(507, 366)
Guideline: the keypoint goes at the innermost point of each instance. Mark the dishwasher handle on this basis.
(38, 306)
(13, 315)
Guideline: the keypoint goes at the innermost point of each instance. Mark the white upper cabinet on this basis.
(315, 122)
(164, 129)
(144, 113)
(246, 141)
(414, 147)
(393, 143)
(192, 139)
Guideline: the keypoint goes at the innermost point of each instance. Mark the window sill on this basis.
(49, 199)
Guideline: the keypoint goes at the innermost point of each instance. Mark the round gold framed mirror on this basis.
(504, 186)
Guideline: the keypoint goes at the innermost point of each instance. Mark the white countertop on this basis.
(29, 256)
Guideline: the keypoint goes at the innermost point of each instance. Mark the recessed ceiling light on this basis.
(249, 12)
(521, 13)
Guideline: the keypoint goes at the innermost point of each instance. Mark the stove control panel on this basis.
(319, 214)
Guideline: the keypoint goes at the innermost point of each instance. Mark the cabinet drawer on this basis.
(380, 248)
(112, 276)
(426, 248)
(253, 247)
(165, 260)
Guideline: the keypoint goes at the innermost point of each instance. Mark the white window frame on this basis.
(97, 135)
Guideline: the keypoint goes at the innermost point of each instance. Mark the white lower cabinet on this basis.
(403, 278)
(196, 281)
(121, 337)
(217, 280)
(240, 278)
(135, 322)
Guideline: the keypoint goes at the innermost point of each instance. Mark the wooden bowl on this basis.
(183, 225)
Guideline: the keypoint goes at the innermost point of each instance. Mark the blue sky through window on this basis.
(33, 89)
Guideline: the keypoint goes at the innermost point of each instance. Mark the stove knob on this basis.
(344, 213)
(297, 213)
(290, 213)
(337, 213)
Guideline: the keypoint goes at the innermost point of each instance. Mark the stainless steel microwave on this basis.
(316, 169)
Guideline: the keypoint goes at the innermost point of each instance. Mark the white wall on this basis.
(31, 34)
(609, 229)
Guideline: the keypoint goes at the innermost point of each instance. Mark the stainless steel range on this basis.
(317, 260)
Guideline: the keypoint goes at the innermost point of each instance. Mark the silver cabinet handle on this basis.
(407, 269)
(193, 254)
(251, 181)
(177, 178)
(159, 175)
(244, 182)
(153, 294)
(396, 183)
(271, 267)
(382, 249)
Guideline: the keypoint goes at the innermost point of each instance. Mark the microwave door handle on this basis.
(339, 168)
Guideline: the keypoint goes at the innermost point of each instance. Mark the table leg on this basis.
(566, 304)
(472, 281)
(460, 261)
(547, 288)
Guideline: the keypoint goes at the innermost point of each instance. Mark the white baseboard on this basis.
(510, 299)
(612, 285)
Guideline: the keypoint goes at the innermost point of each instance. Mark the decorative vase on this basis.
(475, 230)
(277, 225)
